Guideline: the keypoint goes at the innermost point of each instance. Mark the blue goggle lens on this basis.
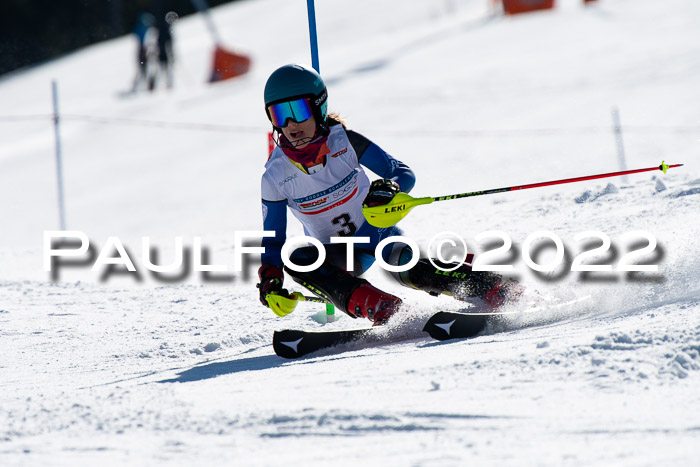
(298, 110)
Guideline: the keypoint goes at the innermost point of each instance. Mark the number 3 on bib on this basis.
(348, 227)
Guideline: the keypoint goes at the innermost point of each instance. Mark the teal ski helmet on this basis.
(294, 82)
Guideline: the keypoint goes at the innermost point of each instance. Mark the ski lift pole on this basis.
(59, 161)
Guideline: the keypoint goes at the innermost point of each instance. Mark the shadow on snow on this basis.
(212, 370)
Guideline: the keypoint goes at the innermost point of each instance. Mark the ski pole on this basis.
(283, 305)
(391, 213)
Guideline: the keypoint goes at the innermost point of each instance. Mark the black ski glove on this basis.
(381, 192)
(271, 279)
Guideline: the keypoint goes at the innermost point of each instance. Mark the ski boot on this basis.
(367, 301)
(350, 294)
(461, 283)
(503, 292)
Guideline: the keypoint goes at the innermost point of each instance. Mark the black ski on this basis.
(446, 325)
(442, 326)
(294, 344)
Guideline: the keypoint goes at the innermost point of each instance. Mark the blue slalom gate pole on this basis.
(330, 308)
(312, 35)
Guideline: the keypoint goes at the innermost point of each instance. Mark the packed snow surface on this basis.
(107, 367)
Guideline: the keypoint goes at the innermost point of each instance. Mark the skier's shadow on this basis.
(212, 370)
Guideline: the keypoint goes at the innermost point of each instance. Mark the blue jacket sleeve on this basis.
(378, 161)
(275, 219)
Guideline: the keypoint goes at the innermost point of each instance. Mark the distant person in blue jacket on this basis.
(317, 171)
(146, 51)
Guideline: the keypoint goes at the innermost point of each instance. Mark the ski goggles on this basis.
(298, 110)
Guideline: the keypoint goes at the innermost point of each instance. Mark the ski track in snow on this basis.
(169, 372)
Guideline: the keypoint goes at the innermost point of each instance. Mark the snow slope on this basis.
(179, 370)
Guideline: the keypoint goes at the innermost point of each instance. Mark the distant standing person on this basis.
(165, 47)
(145, 33)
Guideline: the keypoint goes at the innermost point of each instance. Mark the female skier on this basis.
(316, 171)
